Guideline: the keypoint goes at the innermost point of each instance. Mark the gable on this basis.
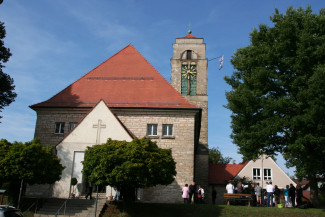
(278, 176)
(126, 79)
(87, 130)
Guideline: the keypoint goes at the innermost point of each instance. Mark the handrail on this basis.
(65, 206)
(35, 203)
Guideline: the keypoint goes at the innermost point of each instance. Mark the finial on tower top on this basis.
(189, 28)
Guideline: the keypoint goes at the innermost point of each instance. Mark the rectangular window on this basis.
(72, 125)
(167, 130)
(267, 174)
(256, 173)
(152, 129)
(59, 128)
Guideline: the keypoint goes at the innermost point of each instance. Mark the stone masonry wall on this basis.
(46, 119)
(182, 145)
(200, 99)
(135, 120)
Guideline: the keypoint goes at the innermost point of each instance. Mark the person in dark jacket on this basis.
(214, 196)
(292, 195)
(90, 191)
(192, 190)
(299, 195)
(277, 193)
(253, 195)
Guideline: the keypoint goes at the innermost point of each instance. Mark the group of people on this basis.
(193, 193)
(273, 193)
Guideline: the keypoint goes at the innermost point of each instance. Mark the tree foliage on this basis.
(215, 157)
(129, 165)
(32, 162)
(278, 92)
(7, 94)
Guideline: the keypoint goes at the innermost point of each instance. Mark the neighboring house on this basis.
(260, 171)
(220, 174)
(126, 97)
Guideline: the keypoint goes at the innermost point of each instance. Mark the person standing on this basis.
(117, 194)
(276, 195)
(200, 194)
(270, 191)
(214, 196)
(239, 187)
(258, 192)
(192, 192)
(299, 195)
(253, 194)
(185, 194)
(230, 188)
(292, 195)
(90, 192)
(286, 195)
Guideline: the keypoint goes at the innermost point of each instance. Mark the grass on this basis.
(204, 210)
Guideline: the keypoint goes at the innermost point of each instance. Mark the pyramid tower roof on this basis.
(126, 79)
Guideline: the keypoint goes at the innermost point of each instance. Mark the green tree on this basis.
(215, 157)
(278, 93)
(7, 94)
(129, 165)
(30, 161)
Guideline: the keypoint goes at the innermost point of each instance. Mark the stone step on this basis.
(74, 207)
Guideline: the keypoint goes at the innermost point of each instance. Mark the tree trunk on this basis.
(313, 190)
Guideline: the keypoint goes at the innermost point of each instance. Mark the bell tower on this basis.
(189, 77)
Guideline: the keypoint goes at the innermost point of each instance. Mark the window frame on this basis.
(151, 134)
(257, 177)
(59, 128)
(167, 130)
(267, 177)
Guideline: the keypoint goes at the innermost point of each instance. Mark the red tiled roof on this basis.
(190, 36)
(126, 79)
(220, 174)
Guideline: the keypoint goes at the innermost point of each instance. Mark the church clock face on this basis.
(189, 72)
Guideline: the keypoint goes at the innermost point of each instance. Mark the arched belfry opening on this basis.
(189, 55)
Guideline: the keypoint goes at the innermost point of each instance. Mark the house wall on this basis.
(182, 145)
(135, 121)
(279, 177)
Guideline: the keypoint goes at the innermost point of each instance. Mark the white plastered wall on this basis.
(82, 136)
(279, 177)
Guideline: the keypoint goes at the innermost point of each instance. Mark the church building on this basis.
(126, 97)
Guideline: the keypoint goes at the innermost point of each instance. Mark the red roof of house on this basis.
(220, 174)
(126, 79)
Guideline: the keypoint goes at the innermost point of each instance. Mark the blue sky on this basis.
(56, 42)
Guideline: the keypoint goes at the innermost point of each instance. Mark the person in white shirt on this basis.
(270, 191)
(230, 188)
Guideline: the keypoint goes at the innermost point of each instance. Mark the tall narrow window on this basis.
(167, 130)
(267, 174)
(152, 130)
(59, 128)
(257, 173)
(189, 54)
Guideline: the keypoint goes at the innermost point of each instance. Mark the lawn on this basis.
(205, 210)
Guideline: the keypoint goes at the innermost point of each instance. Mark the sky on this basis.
(53, 43)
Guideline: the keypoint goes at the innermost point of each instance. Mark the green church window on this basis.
(188, 80)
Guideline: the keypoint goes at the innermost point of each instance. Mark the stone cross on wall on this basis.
(99, 126)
